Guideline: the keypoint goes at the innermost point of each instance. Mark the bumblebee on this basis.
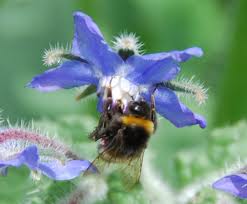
(123, 133)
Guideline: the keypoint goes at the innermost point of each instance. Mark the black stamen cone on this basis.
(125, 54)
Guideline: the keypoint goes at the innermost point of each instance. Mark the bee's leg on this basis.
(108, 99)
(152, 108)
(153, 117)
(105, 117)
(118, 107)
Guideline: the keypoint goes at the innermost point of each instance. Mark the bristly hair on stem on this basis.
(128, 42)
(189, 87)
(55, 55)
(17, 137)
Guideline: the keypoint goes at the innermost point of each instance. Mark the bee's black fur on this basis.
(123, 141)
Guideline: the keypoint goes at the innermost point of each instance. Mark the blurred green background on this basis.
(27, 27)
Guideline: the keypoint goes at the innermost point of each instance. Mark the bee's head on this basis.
(138, 108)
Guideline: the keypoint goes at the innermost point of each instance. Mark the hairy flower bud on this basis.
(41, 154)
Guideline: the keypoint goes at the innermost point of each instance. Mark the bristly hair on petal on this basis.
(128, 41)
(189, 87)
(54, 55)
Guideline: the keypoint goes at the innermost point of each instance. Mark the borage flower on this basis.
(235, 184)
(40, 154)
(131, 76)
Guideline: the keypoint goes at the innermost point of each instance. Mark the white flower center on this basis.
(122, 89)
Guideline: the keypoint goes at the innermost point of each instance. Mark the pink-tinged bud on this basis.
(39, 153)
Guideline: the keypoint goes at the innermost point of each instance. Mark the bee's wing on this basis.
(132, 171)
(99, 163)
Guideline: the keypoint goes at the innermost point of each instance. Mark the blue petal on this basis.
(151, 71)
(89, 43)
(233, 184)
(68, 75)
(72, 169)
(179, 56)
(168, 105)
(29, 157)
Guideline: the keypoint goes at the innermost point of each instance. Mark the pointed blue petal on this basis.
(179, 56)
(72, 169)
(151, 71)
(29, 157)
(68, 75)
(89, 43)
(168, 105)
(233, 184)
